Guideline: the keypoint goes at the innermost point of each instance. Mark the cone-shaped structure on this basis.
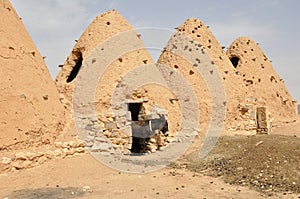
(102, 28)
(262, 82)
(242, 72)
(110, 30)
(31, 113)
(199, 33)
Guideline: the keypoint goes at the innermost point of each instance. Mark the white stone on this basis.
(18, 165)
(6, 160)
(70, 151)
(72, 144)
(102, 147)
(80, 143)
(100, 139)
(86, 189)
(57, 152)
(89, 138)
(20, 156)
(79, 150)
(65, 145)
(30, 155)
(58, 144)
(42, 160)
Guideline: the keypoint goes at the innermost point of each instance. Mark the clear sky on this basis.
(55, 24)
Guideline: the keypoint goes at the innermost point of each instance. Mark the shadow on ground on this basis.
(49, 193)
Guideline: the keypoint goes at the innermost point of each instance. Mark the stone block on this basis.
(110, 125)
(262, 124)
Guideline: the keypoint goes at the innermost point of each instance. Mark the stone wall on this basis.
(249, 82)
(105, 28)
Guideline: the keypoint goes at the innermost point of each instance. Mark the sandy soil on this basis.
(34, 118)
(84, 173)
(84, 177)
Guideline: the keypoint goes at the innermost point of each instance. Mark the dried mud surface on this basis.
(266, 163)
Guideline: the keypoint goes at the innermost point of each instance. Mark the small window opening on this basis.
(235, 61)
(75, 69)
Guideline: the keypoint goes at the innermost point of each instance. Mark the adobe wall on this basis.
(250, 85)
(31, 113)
(248, 107)
(200, 34)
(105, 28)
(262, 85)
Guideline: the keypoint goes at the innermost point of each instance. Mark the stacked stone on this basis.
(23, 160)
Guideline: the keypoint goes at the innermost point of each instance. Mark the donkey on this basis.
(143, 130)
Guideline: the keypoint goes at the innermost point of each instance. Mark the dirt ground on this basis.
(267, 163)
(238, 167)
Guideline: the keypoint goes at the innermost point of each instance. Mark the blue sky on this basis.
(55, 24)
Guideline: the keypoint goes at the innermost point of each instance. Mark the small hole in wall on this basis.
(108, 23)
(175, 66)
(235, 61)
(76, 68)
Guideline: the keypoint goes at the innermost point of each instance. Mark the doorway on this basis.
(137, 144)
(135, 109)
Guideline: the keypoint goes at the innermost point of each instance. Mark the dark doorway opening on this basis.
(235, 61)
(135, 109)
(76, 68)
(137, 144)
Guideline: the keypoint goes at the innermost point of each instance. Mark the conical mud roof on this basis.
(199, 33)
(261, 80)
(243, 83)
(129, 65)
(102, 28)
(31, 113)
